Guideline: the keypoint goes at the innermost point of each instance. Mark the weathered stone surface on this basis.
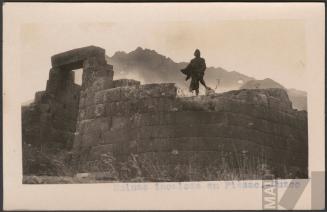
(258, 122)
(157, 90)
(126, 82)
(105, 71)
(112, 95)
(39, 97)
(102, 83)
(74, 59)
(119, 122)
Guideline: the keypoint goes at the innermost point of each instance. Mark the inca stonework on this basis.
(181, 136)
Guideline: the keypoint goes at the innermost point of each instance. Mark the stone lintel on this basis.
(73, 59)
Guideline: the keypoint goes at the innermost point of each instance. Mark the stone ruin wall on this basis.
(150, 123)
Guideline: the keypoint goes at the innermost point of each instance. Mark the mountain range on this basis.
(297, 97)
(148, 66)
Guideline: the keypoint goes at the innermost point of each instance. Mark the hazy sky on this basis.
(274, 48)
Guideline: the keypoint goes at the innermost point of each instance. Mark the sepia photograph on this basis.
(142, 94)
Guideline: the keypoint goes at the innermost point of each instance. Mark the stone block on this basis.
(148, 119)
(77, 141)
(81, 114)
(165, 131)
(200, 117)
(39, 96)
(116, 109)
(112, 95)
(82, 102)
(129, 93)
(99, 97)
(67, 111)
(83, 93)
(152, 105)
(150, 132)
(168, 90)
(166, 118)
(119, 108)
(119, 122)
(99, 110)
(153, 119)
(90, 112)
(93, 64)
(187, 117)
(105, 71)
(79, 126)
(118, 136)
(74, 59)
(157, 90)
(188, 130)
(150, 90)
(153, 145)
(188, 104)
(148, 105)
(89, 99)
(45, 108)
(125, 82)
(165, 104)
(59, 138)
(64, 124)
(97, 124)
(109, 109)
(91, 138)
(133, 106)
(102, 83)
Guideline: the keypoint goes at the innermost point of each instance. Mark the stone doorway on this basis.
(72, 73)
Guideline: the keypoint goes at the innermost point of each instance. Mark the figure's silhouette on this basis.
(195, 70)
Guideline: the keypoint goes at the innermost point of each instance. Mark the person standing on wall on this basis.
(195, 70)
